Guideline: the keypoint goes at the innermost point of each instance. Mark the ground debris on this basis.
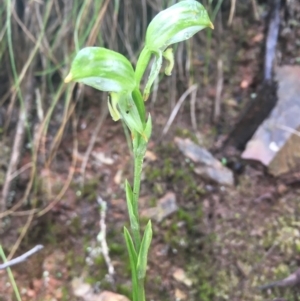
(180, 295)
(208, 167)
(102, 158)
(276, 143)
(85, 291)
(180, 276)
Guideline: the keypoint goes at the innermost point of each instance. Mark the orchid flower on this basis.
(109, 71)
(172, 25)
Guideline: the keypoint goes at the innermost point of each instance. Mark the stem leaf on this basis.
(133, 263)
(133, 215)
(143, 253)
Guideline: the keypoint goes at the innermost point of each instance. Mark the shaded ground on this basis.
(227, 240)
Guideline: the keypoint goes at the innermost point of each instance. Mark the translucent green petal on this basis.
(176, 23)
(102, 69)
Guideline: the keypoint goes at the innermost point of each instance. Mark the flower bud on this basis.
(102, 69)
(172, 25)
(175, 24)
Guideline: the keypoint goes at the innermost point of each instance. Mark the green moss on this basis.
(186, 217)
(206, 292)
(88, 191)
(117, 249)
(158, 188)
(65, 294)
(157, 280)
(75, 225)
(186, 133)
(99, 261)
(171, 171)
(153, 174)
(73, 259)
(124, 290)
(152, 202)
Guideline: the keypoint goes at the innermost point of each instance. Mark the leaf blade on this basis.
(143, 252)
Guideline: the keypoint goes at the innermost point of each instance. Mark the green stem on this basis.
(139, 151)
(138, 165)
(11, 276)
(141, 290)
(139, 154)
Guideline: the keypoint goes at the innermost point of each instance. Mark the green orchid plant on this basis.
(109, 71)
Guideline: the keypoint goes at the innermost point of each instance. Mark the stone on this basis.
(206, 165)
(165, 207)
(276, 143)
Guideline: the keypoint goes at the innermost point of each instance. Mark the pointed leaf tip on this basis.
(68, 78)
(211, 25)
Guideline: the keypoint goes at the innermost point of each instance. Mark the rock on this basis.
(208, 167)
(276, 143)
(165, 207)
(254, 113)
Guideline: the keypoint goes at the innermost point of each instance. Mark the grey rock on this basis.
(276, 143)
(207, 166)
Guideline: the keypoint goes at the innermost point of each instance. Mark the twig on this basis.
(22, 235)
(272, 39)
(102, 237)
(232, 11)
(219, 88)
(177, 107)
(220, 76)
(71, 170)
(21, 258)
(255, 10)
(291, 280)
(95, 30)
(10, 276)
(193, 110)
(288, 129)
(18, 144)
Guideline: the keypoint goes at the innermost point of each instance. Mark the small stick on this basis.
(232, 11)
(102, 237)
(21, 258)
(255, 10)
(177, 107)
(219, 88)
(291, 280)
(193, 110)
(15, 158)
(272, 39)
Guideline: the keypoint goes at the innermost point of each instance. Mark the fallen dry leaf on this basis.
(180, 295)
(180, 276)
(150, 156)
